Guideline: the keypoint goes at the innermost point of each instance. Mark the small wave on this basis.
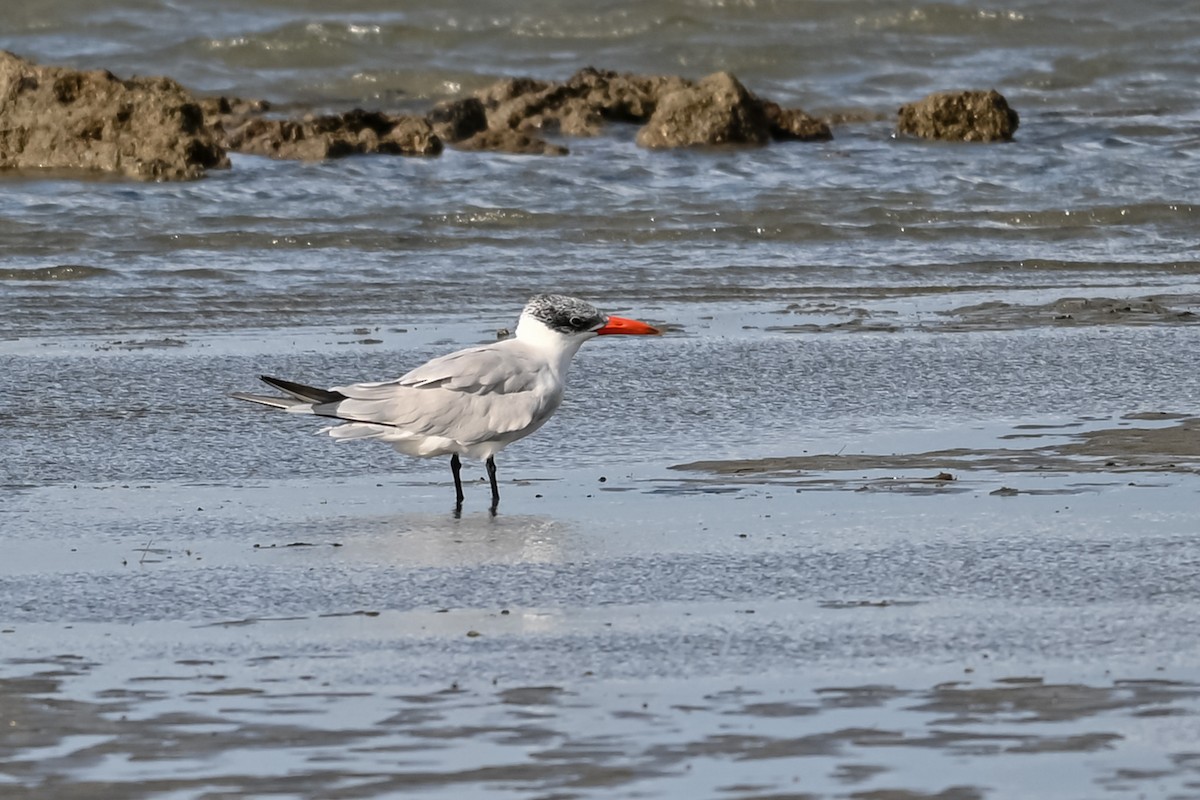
(62, 272)
(204, 274)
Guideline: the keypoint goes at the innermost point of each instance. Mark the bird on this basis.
(470, 403)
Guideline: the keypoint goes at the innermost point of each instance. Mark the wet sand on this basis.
(195, 732)
(898, 606)
(1083, 446)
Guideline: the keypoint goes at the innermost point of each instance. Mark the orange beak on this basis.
(629, 327)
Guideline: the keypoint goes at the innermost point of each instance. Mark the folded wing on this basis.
(490, 393)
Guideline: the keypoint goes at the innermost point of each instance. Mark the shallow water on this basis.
(1099, 189)
(201, 598)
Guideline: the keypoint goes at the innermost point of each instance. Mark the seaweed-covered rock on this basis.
(315, 138)
(968, 116)
(146, 128)
(717, 110)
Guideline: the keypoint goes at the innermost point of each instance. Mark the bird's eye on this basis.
(576, 322)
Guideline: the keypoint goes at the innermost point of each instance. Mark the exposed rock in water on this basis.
(792, 123)
(550, 106)
(518, 108)
(573, 116)
(960, 116)
(152, 128)
(456, 120)
(510, 141)
(623, 97)
(314, 138)
(223, 114)
(241, 126)
(146, 128)
(717, 110)
(509, 89)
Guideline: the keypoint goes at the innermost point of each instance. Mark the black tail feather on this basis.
(310, 394)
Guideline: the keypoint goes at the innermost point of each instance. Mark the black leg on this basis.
(491, 471)
(456, 468)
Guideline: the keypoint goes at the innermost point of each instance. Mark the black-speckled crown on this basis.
(565, 314)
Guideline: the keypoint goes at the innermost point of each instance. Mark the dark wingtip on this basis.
(309, 394)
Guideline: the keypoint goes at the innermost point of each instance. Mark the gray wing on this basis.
(469, 396)
(479, 370)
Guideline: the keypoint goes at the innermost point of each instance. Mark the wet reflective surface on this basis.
(931, 595)
(215, 726)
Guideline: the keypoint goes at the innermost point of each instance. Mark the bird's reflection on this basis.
(438, 539)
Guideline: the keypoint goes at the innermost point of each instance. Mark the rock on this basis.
(509, 89)
(223, 114)
(545, 106)
(356, 132)
(717, 110)
(623, 97)
(146, 128)
(456, 120)
(578, 107)
(153, 128)
(960, 116)
(572, 116)
(241, 126)
(510, 141)
(219, 109)
(792, 123)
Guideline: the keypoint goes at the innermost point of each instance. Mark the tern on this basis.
(473, 402)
